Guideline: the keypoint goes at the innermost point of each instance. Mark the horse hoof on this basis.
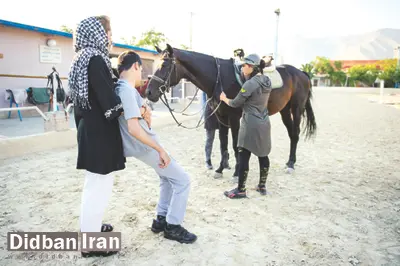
(217, 175)
(289, 170)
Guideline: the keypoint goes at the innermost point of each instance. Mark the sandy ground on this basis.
(340, 207)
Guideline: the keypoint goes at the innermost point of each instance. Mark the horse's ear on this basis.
(158, 49)
(170, 50)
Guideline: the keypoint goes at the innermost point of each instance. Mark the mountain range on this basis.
(374, 45)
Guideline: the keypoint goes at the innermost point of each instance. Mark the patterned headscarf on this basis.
(91, 40)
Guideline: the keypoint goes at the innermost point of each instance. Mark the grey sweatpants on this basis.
(174, 187)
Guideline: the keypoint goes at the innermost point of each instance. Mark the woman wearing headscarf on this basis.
(255, 126)
(96, 111)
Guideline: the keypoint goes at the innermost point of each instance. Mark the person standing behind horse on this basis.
(211, 125)
(255, 128)
(141, 142)
(97, 109)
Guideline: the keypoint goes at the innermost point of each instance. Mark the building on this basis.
(347, 64)
(28, 53)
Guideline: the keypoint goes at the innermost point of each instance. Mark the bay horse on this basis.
(212, 75)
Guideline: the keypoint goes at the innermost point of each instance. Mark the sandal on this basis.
(235, 194)
(262, 190)
(107, 228)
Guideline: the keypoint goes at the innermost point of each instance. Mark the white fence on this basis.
(185, 90)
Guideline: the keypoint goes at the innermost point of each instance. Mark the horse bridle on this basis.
(166, 84)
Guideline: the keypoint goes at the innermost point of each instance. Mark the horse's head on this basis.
(165, 76)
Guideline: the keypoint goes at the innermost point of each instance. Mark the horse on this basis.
(212, 75)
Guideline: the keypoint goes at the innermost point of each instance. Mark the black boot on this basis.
(178, 233)
(263, 179)
(159, 224)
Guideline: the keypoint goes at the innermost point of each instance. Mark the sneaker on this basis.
(180, 234)
(159, 224)
(235, 194)
(262, 190)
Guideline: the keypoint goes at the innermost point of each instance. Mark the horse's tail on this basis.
(311, 125)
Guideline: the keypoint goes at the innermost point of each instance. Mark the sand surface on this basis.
(340, 207)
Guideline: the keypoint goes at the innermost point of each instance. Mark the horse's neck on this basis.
(200, 70)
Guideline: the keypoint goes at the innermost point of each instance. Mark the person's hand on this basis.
(142, 110)
(147, 118)
(164, 159)
(222, 97)
(145, 112)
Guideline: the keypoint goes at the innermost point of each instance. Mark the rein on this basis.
(166, 85)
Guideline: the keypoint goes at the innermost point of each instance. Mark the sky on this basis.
(218, 27)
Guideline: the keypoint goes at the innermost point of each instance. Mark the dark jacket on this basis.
(100, 147)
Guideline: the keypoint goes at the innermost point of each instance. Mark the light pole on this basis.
(397, 85)
(277, 12)
(191, 29)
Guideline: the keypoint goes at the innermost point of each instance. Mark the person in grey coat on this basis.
(255, 128)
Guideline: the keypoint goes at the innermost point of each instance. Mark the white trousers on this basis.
(95, 197)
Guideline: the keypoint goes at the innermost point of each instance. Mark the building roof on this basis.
(349, 63)
(65, 34)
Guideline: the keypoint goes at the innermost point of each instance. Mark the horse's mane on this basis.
(197, 55)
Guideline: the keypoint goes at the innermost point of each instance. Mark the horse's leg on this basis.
(288, 122)
(235, 124)
(223, 139)
(296, 114)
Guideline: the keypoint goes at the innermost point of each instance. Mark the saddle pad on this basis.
(275, 77)
(40, 95)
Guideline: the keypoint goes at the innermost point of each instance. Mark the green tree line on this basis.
(358, 74)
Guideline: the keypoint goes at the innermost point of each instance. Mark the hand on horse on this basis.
(222, 97)
(164, 159)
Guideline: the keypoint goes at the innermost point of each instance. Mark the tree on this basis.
(334, 72)
(366, 74)
(131, 41)
(185, 47)
(322, 65)
(309, 69)
(64, 28)
(152, 38)
(388, 72)
(337, 76)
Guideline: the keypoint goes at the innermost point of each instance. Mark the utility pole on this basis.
(398, 56)
(277, 12)
(397, 85)
(191, 29)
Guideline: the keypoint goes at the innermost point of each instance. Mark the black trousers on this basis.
(244, 158)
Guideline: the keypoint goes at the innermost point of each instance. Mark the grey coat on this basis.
(255, 127)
